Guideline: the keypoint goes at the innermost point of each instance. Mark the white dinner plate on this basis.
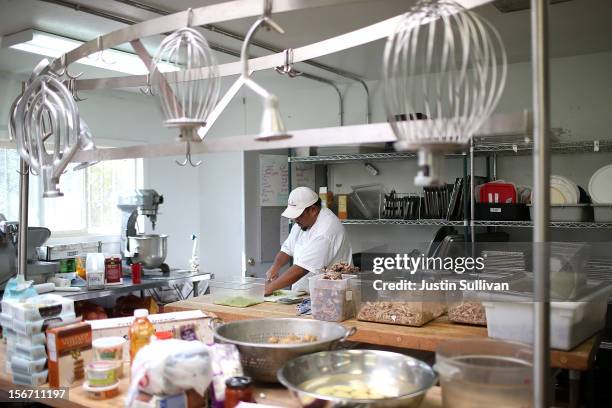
(600, 185)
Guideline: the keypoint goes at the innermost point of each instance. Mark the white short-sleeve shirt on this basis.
(324, 244)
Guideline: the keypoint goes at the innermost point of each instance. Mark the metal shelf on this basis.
(554, 224)
(522, 148)
(519, 224)
(350, 157)
(402, 222)
(587, 146)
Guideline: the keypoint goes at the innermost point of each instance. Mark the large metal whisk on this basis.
(448, 64)
(190, 93)
(46, 117)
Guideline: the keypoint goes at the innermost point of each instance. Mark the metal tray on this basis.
(568, 212)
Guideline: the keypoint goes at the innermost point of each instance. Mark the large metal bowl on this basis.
(148, 249)
(404, 377)
(260, 359)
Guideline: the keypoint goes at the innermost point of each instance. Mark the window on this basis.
(89, 204)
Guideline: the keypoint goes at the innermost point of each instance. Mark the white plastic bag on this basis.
(170, 367)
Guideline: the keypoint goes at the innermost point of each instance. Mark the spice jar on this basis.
(238, 389)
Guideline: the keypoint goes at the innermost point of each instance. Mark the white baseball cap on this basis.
(299, 199)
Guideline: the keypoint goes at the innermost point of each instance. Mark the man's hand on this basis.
(271, 274)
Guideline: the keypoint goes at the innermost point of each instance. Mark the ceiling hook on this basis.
(188, 157)
(148, 89)
(288, 67)
(99, 56)
(72, 87)
(65, 69)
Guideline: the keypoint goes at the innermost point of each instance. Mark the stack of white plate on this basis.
(600, 185)
(563, 191)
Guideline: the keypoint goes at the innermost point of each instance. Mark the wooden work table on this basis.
(77, 397)
(424, 338)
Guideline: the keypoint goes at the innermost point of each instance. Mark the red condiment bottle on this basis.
(238, 389)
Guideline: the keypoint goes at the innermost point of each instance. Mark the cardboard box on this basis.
(163, 322)
(69, 351)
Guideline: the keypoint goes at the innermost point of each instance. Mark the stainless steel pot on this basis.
(402, 379)
(148, 249)
(261, 359)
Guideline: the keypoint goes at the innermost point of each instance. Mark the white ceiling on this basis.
(577, 27)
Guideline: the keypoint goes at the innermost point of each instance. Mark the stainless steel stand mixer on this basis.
(148, 249)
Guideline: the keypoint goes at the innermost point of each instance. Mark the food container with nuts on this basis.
(407, 307)
(333, 300)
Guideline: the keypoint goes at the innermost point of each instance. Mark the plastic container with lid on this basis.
(28, 328)
(110, 349)
(102, 373)
(26, 341)
(25, 366)
(101, 393)
(238, 293)
(401, 307)
(333, 300)
(485, 373)
(510, 316)
(30, 353)
(32, 380)
(39, 307)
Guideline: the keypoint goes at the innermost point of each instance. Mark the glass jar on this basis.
(238, 389)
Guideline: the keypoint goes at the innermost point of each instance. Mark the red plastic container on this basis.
(498, 192)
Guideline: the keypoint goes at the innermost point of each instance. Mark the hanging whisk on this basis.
(190, 92)
(46, 116)
(444, 72)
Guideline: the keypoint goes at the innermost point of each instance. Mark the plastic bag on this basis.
(170, 367)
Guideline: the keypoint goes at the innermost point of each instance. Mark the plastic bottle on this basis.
(323, 196)
(94, 270)
(141, 332)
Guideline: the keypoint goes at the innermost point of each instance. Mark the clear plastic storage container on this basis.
(485, 373)
(39, 307)
(32, 380)
(333, 300)
(25, 366)
(402, 307)
(510, 316)
(239, 293)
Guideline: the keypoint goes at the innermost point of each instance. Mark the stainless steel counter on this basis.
(148, 282)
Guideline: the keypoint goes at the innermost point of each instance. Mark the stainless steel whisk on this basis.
(46, 116)
(444, 71)
(190, 93)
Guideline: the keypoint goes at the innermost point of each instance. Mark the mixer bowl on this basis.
(148, 249)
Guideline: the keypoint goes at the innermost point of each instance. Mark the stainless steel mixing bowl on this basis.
(261, 359)
(149, 250)
(404, 379)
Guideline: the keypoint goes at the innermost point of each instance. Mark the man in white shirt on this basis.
(317, 240)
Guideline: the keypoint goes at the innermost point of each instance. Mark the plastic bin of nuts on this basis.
(401, 307)
(334, 294)
(333, 300)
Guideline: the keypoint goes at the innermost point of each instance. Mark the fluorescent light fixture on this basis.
(51, 45)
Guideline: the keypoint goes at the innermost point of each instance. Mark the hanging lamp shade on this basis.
(444, 71)
(185, 76)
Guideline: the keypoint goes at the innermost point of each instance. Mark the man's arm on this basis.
(280, 260)
(288, 278)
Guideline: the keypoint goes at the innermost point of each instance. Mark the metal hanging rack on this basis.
(337, 135)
